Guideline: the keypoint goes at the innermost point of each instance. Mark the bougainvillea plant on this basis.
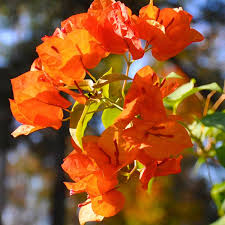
(142, 129)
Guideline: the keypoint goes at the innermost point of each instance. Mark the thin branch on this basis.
(113, 103)
(66, 119)
(129, 62)
(209, 96)
(218, 102)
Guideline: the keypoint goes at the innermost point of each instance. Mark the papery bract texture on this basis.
(167, 30)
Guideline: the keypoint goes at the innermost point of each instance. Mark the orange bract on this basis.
(86, 214)
(43, 116)
(90, 49)
(66, 59)
(34, 90)
(145, 122)
(144, 98)
(155, 168)
(74, 22)
(109, 22)
(108, 204)
(167, 30)
(86, 170)
(160, 140)
(78, 165)
(35, 84)
(61, 60)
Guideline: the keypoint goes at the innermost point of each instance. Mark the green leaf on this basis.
(216, 119)
(220, 221)
(180, 92)
(220, 153)
(104, 80)
(80, 117)
(173, 75)
(105, 88)
(218, 195)
(211, 87)
(174, 99)
(186, 90)
(109, 115)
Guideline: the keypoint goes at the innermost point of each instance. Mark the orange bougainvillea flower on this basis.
(112, 148)
(87, 175)
(108, 204)
(160, 140)
(80, 97)
(74, 22)
(90, 49)
(145, 122)
(61, 60)
(110, 23)
(66, 59)
(144, 98)
(34, 90)
(154, 168)
(86, 169)
(167, 30)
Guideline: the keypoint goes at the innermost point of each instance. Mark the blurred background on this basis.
(31, 179)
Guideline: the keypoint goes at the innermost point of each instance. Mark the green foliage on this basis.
(220, 153)
(216, 119)
(220, 221)
(173, 75)
(105, 88)
(218, 195)
(186, 90)
(75, 116)
(109, 115)
(80, 116)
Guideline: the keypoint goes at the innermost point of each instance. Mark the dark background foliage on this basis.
(31, 179)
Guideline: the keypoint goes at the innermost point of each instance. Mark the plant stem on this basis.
(209, 96)
(91, 76)
(113, 103)
(133, 170)
(218, 102)
(67, 110)
(129, 62)
(81, 54)
(66, 119)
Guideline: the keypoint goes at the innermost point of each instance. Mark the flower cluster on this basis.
(143, 132)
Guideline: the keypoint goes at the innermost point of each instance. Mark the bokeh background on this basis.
(31, 179)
